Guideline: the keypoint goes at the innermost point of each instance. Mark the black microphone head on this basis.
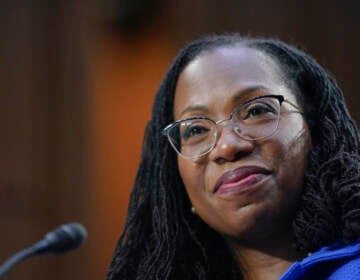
(64, 238)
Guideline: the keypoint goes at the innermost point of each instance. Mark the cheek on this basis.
(292, 157)
(192, 174)
(296, 148)
(293, 136)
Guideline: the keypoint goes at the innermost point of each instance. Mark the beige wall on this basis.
(124, 80)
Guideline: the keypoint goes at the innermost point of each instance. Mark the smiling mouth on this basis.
(240, 180)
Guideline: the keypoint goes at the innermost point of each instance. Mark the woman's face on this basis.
(246, 189)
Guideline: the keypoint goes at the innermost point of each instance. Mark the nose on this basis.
(230, 147)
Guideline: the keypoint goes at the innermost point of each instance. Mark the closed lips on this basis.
(239, 174)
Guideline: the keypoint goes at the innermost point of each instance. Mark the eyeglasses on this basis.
(257, 118)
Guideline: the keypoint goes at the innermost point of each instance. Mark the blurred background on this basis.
(77, 79)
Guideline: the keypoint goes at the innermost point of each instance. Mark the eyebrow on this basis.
(241, 94)
(194, 108)
(235, 99)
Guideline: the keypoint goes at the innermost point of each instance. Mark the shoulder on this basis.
(349, 270)
(335, 262)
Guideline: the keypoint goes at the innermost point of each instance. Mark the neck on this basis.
(265, 260)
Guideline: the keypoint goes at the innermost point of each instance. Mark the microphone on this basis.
(64, 238)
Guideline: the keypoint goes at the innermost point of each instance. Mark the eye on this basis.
(193, 130)
(258, 110)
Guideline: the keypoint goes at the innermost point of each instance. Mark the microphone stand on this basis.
(16, 258)
(65, 238)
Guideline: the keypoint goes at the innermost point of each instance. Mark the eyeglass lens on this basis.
(194, 137)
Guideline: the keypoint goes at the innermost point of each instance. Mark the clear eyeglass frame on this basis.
(235, 125)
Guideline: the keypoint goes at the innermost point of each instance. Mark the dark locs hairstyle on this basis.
(163, 240)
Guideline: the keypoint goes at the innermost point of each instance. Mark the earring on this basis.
(193, 209)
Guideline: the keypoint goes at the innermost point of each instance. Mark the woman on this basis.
(250, 164)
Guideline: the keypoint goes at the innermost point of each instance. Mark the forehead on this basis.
(215, 76)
